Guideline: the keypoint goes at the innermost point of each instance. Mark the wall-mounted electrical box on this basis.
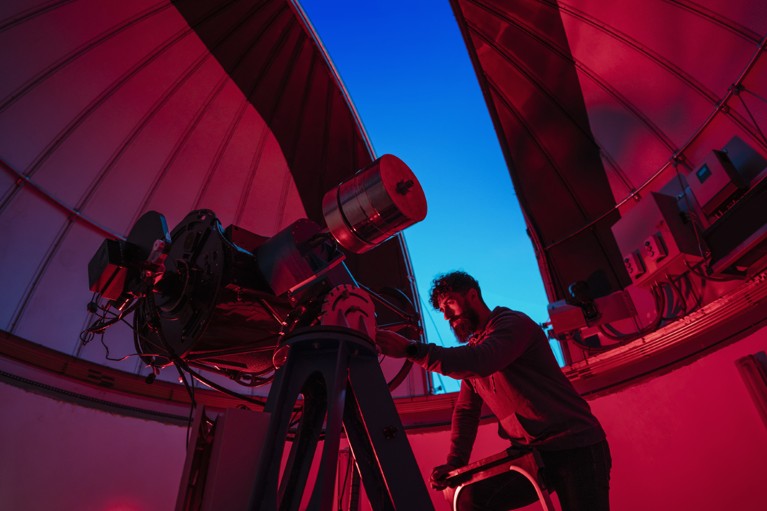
(716, 182)
(566, 317)
(737, 237)
(747, 161)
(656, 239)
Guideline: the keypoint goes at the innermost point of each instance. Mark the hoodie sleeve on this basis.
(464, 425)
(505, 338)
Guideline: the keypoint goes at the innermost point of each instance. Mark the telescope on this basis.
(283, 310)
(223, 298)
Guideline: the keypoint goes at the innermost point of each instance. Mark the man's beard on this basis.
(465, 325)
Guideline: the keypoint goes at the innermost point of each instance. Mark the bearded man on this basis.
(505, 362)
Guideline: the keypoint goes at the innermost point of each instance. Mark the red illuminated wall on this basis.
(116, 108)
(689, 439)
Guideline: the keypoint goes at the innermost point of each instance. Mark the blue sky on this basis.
(407, 70)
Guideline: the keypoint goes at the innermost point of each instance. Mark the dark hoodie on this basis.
(508, 364)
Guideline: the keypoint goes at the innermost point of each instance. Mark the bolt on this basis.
(404, 186)
(390, 432)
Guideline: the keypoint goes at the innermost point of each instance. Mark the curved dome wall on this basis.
(110, 110)
(597, 104)
(67, 180)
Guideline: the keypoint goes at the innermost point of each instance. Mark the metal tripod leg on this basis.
(316, 367)
(338, 371)
(389, 471)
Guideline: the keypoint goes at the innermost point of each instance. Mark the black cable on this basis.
(408, 319)
(699, 292)
(178, 361)
(675, 283)
(253, 379)
(182, 366)
(665, 290)
(678, 292)
(697, 271)
(137, 344)
(220, 388)
(575, 339)
(106, 348)
(190, 391)
(610, 332)
(179, 364)
(102, 323)
(100, 326)
(695, 293)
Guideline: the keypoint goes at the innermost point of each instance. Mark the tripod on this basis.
(337, 371)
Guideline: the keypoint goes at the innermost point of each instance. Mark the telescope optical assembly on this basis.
(223, 299)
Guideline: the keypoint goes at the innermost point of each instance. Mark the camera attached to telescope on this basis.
(283, 310)
(222, 298)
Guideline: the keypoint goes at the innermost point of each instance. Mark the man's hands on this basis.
(392, 344)
(438, 476)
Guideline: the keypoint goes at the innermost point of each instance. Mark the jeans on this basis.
(580, 477)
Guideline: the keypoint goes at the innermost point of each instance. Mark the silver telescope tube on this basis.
(376, 203)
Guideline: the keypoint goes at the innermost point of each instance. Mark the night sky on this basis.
(409, 75)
